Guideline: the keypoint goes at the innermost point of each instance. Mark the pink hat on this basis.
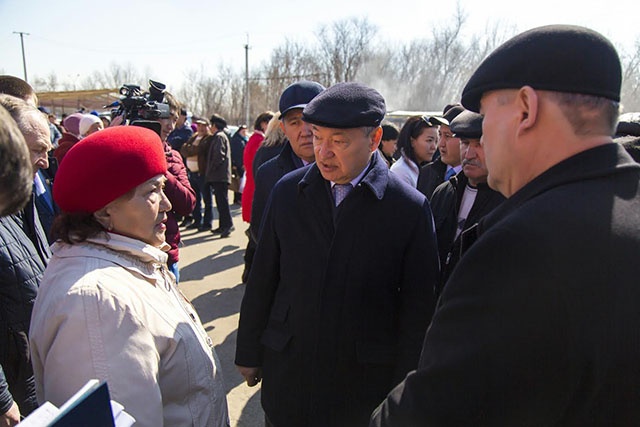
(105, 165)
(72, 123)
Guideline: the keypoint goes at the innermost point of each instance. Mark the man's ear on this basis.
(376, 137)
(528, 101)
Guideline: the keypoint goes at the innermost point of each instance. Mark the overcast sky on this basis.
(167, 38)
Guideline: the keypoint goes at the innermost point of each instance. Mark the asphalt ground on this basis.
(210, 276)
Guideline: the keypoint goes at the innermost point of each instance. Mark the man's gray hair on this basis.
(369, 129)
(19, 110)
(16, 176)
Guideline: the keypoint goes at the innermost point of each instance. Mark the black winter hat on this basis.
(561, 58)
(467, 125)
(346, 105)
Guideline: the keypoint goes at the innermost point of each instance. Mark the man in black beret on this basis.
(334, 312)
(461, 201)
(448, 163)
(538, 323)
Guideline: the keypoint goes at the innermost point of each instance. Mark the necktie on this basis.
(340, 191)
(450, 172)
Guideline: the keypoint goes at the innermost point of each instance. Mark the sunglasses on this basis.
(429, 121)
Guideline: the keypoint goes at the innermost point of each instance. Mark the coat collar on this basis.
(126, 252)
(607, 159)
(287, 159)
(375, 179)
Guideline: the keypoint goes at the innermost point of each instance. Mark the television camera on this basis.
(136, 105)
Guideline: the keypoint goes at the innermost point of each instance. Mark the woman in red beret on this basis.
(107, 307)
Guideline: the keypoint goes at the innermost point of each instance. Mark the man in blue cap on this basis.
(296, 152)
(538, 323)
(334, 311)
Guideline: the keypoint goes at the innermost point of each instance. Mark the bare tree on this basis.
(345, 46)
(113, 77)
(631, 79)
(47, 84)
(289, 62)
(221, 94)
(421, 74)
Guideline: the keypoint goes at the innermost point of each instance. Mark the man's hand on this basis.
(11, 417)
(252, 375)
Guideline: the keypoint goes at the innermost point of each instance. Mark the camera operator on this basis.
(162, 108)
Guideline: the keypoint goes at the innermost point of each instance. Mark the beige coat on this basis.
(109, 309)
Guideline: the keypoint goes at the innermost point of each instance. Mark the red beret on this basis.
(105, 165)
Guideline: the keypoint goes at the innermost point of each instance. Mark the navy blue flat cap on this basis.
(467, 125)
(346, 105)
(560, 58)
(298, 95)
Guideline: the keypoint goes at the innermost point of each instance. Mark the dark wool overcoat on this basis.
(539, 323)
(431, 175)
(445, 205)
(267, 176)
(336, 307)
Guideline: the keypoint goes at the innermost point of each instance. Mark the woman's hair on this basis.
(263, 117)
(412, 128)
(274, 135)
(75, 227)
(174, 105)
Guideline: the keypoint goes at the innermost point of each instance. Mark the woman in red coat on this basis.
(250, 149)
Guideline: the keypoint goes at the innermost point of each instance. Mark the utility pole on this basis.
(24, 60)
(246, 82)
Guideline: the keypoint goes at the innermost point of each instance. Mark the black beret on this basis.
(346, 105)
(467, 125)
(560, 58)
(449, 113)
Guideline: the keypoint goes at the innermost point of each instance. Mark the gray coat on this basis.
(218, 159)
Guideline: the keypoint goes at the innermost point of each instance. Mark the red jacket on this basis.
(64, 144)
(181, 196)
(250, 150)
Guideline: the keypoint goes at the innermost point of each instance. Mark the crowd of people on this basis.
(471, 268)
